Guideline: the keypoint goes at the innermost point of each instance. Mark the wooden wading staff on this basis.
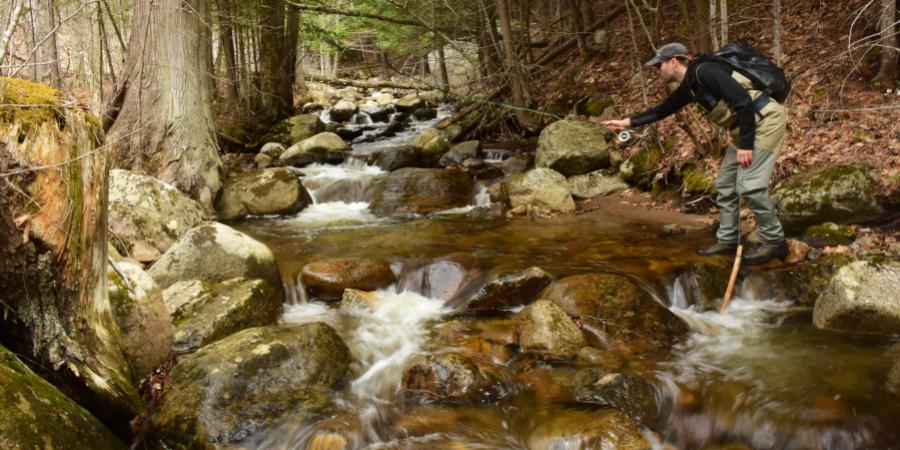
(737, 257)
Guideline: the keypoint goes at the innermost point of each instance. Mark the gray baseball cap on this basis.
(667, 51)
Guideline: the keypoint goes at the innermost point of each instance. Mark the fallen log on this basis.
(368, 84)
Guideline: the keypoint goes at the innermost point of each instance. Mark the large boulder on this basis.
(545, 329)
(36, 415)
(430, 145)
(455, 378)
(801, 283)
(327, 279)
(594, 184)
(247, 381)
(839, 194)
(443, 278)
(204, 312)
(629, 393)
(572, 147)
(507, 288)
(215, 252)
(410, 103)
(585, 429)
(598, 300)
(862, 297)
(398, 158)
(538, 188)
(420, 191)
(141, 315)
(147, 216)
(321, 148)
(299, 127)
(266, 191)
(343, 111)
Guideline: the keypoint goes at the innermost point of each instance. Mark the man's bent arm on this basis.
(676, 100)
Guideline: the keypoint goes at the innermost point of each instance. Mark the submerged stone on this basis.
(545, 329)
(456, 378)
(329, 278)
(629, 393)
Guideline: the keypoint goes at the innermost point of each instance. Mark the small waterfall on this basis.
(296, 292)
(495, 155)
(361, 118)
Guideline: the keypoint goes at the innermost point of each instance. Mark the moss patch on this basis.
(28, 104)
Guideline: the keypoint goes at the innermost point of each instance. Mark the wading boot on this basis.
(718, 249)
(765, 253)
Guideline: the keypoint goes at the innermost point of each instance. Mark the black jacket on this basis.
(705, 83)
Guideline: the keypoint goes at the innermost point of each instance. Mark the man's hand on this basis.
(616, 125)
(744, 157)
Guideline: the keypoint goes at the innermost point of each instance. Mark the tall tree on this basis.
(515, 73)
(228, 86)
(159, 118)
(888, 43)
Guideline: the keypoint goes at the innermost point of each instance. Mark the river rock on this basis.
(410, 103)
(215, 252)
(425, 113)
(247, 381)
(572, 148)
(299, 127)
(455, 378)
(801, 284)
(517, 164)
(141, 315)
(642, 325)
(640, 168)
(147, 216)
(265, 191)
(311, 107)
(863, 296)
(420, 191)
(327, 279)
(272, 149)
(704, 285)
(631, 394)
(205, 312)
(442, 278)
(321, 148)
(586, 429)
(382, 114)
(595, 184)
(503, 289)
(263, 161)
(540, 188)
(460, 152)
(36, 415)
(828, 235)
(348, 190)
(398, 158)
(839, 194)
(544, 328)
(430, 144)
(342, 111)
(348, 134)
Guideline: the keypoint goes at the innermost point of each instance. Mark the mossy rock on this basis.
(696, 181)
(420, 191)
(204, 312)
(631, 394)
(572, 148)
(829, 234)
(236, 386)
(594, 107)
(640, 168)
(862, 297)
(36, 415)
(544, 328)
(840, 194)
(801, 284)
(642, 325)
(262, 191)
(541, 188)
(595, 429)
(28, 104)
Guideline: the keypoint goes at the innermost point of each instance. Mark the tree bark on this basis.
(275, 86)
(515, 73)
(53, 252)
(164, 125)
(229, 83)
(723, 20)
(888, 43)
(10, 27)
(776, 34)
(578, 27)
(55, 77)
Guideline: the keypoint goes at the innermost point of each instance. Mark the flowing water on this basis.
(760, 375)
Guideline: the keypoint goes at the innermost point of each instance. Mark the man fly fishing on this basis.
(731, 100)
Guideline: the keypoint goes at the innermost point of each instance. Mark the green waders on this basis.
(751, 183)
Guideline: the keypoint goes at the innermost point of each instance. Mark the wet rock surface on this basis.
(503, 289)
(630, 394)
(329, 278)
(320, 148)
(266, 191)
(540, 188)
(545, 329)
(441, 278)
(420, 191)
(579, 428)
(802, 283)
(455, 378)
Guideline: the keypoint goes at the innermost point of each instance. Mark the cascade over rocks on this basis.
(801, 283)
(147, 216)
(839, 194)
(420, 191)
(34, 414)
(266, 191)
(329, 278)
(596, 299)
(343, 111)
(249, 380)
(862, 297)
(540, 188)
(204, 312)
(321, 148)
(704, 285)
(142, 316)
(215, 252)
(442, 278)
(572, 148)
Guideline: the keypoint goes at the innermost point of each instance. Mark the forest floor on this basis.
(837, 115)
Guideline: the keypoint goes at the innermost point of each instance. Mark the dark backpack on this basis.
(764, 74)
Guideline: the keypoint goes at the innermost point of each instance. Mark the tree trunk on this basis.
(515, 73)
(52, 48)
(272, 52)
(10, 27)
(776, 34)
(887, 26)
(578, 27)
(164, 125)
(53, 251)
(723, 20)
(712, 25)
(229, 83)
